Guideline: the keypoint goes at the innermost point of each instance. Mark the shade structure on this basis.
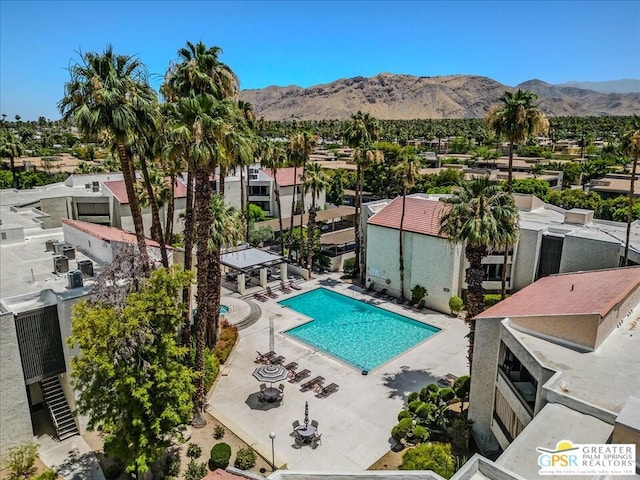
(271, 373)
(306, 414)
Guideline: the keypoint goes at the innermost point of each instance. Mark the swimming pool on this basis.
(355, 332)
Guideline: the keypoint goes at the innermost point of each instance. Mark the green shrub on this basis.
(404, 414)
(47, 475)
(461, 386)
(220, 455)
(455, 305)
(490, 299)
(424, 411)
(194, 451)
(211, 364)
(420, 434)
(432, 387)
(413, 406)
(447, 394)
(226, 340)
(245, 458)
(20, 461)
(413, 396)
(218, 432)
(401, 429)
(349, 267)
(460, 434)
(172, 465)
(430, 456)
(195, 470)
(424, 394)
(417, 294)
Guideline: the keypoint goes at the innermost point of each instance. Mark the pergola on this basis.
(250, 259)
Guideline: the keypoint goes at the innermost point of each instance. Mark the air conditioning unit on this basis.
(69, 252)
(86, 267)
(95, 187)
(60, 264)
(75, 279)
(49, 246)
(58, 246)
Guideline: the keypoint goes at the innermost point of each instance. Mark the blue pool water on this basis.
(360, 334)
(224, 309)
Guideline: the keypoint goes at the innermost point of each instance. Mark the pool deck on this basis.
(356, 421)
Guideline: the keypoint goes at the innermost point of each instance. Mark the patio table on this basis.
(271, 394)
(307, 432)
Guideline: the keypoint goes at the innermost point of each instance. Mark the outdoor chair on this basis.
(314, 423)
(279, 360)
(317, 440)
(328, 390)
(281, 387)
(284, 288)
(295, 425)
(291, 366)
(312, 383)
(300, 375)
(263, 386)
(265, 357)
(271, 293)
(260, 297)
(294, 285)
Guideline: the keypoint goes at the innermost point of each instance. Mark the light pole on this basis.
(272, 436)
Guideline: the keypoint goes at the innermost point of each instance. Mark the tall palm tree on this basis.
(225, 230)
(408, 170)
(484, 218)
(301, 146)
(517, 118)
(631, 145)
(360, 133)
(274, 157)
(109, 93)
(314, 180)
(11, 148)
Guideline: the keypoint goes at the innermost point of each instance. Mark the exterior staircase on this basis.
(59, 409)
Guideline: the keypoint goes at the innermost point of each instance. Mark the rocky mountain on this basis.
(390, 96)
(626, 85)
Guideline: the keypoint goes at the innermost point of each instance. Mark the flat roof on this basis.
(321, 216)
(250, 258)
(340, 237)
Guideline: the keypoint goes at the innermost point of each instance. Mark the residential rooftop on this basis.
(422, 215)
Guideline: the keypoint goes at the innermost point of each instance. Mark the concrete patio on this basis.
(356, 421)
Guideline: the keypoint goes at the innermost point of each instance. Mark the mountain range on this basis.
(404, 97)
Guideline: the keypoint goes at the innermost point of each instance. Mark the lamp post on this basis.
(272, 436)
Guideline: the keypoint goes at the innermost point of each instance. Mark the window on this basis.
(3, 236)
(258, 190)
(518, 377)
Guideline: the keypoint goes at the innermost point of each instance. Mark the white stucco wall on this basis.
(581, 253)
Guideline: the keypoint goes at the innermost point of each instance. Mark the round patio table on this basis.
(271, 394)
(307, 432)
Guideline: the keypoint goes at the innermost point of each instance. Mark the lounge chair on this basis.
(279, 360)
(312, 383)
(291, 366)
(260, 297)
(294, 285)
(284, 287)
(300, 375)
(328, 390)
(271, 293)
(265, 357)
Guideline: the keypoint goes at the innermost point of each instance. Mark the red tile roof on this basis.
(220, 474)
(117, 187)
(595, 292)
(285, 176)
(108, 234)
(421, 216)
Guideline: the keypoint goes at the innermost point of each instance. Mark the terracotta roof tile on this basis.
(117, 187)
(594, 292)
(285, 176)
(108, 234)
(421, 215)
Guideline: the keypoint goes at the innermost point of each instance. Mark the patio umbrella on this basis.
(271, 373)
(306, 414)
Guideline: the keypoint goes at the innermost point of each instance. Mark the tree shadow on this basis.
(408, 380)
(79, 466)
(329, 282)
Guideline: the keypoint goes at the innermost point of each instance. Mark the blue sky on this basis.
(305, 43)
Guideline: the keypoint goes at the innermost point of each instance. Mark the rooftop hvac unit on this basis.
(75, 279)
(95, 187)
(69, 252)
(60, 264)
(58, 246)
(86, 267)
(87, 186)
(49, 246)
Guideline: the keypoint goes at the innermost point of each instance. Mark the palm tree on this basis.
(11, 148)
(225, 230)
(484, 218)
(274, 157)
(517, 118)
(300, 147)
(408, 170)
(315, 181)
(631, 145)
(360, 133)
(109, 93)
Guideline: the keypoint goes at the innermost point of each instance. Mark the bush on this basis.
(218, 432)
(401, 429)
(220, 455)
(430, 456)
(417, 294)
(211, 364)
(413, 406)
(420, 434)
(245, 458)
(47, 475)
(413, 396)
(349, 267)
(226, 340)
(195, 470)
(172, 464)
(194, 451)
(461, 386)
(404, 414)
(460, 434)
(20, 461)
(455, 305)
(447, 394)
(424, 411)
(490, 299)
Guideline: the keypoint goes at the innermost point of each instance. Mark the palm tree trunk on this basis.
(188, 234)
(170, 212)
(630, 212)
(156, 226)
(128, 174)
(293, 210)
(247, 226)
(311, 227)
(301, 256)
(14, 175)
(505, 259)
(474, 276)
(277, 192)
(356, 267)
(204, 295)
(404, 198)
(214, 279)
(222, 180)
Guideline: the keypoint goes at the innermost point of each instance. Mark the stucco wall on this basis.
(619, 312)
(579, 254)
(56, 208)
(15, 419)
(87, 244)
(526, 258)
(580, 330)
